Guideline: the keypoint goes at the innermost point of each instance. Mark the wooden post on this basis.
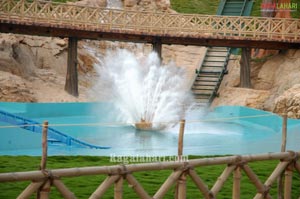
(181, 184)
(236, 189)
(283, 149)
(288, 181)
(245, 72)
(44, 146)
(118, 190)
(71, 85)
(284, 132)
(180, 139)
(44, 190)
(157, 47)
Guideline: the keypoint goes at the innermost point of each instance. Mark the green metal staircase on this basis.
(212, 69)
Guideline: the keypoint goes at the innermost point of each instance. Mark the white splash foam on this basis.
(141, 88)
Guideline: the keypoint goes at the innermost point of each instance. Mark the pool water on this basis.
(225, 130)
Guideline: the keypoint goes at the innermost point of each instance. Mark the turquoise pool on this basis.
(225, 130)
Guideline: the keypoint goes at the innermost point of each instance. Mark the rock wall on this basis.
(275, 81)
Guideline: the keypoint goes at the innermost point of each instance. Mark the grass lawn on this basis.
(84, 186)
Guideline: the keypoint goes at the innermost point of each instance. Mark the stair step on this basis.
(201, 87)
(217, 49)
(202, 80)
(215, 59)
(205, 83)
(206, 69)
(200, 97)
(217, 64)
(217, 54)
(202, 92)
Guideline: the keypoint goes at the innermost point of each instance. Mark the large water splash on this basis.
(143, 90)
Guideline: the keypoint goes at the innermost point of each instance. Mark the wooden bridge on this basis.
(78, 22)
(65, 20)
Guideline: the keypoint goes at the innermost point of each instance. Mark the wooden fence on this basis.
(117, 174)
(149, 23)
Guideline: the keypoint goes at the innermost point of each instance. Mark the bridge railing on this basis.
(151, 23)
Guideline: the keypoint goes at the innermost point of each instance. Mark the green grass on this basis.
(195, 6)
(84, 186)
(210, 7)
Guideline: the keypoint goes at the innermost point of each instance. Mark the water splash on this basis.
(143, 90)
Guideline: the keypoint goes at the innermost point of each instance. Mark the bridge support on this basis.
(157, 47)
(245, 78)
(71, 85)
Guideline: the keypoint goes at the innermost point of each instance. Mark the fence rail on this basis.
(117, 174)
(150, 23)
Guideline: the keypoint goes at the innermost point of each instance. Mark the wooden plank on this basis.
(215, 59)
(208, 92)
(206, 69)
(201, 87)
(213, 64)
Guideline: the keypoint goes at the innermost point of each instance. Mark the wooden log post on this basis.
(284, 133)
(44, 146)
(157, 47)
(118, 190)
(181, 184)
(288, 181)
(283, 149)
(44, 190)
(180, 139)
(236, 188)
(245, 72)
(71, 85)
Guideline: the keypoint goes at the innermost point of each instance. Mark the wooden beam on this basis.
(200, 184)
(245, 72)
(137, 187)
(222, 179)
(203, 40)
(167, 184)
(30, 189)
(71, 85)
(63, 190)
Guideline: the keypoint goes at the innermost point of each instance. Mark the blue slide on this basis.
(53, 135)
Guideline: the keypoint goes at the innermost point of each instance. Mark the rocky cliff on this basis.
(275, 84)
